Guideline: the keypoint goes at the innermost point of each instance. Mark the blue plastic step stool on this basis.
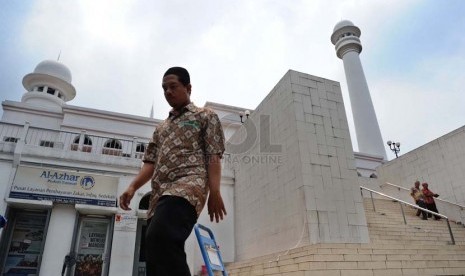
(210, 251)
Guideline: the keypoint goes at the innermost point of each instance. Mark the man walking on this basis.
(419, 198)
(183, 162)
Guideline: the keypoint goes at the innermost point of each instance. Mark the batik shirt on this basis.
(417, 194)
(179, 150)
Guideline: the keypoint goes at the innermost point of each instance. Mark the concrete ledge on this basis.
(95, 210)
(142, 214)
(29, 203)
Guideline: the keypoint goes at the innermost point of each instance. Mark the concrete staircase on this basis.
(418, 248)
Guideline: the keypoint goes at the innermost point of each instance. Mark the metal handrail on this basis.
(12, 124)
(409, 204)
(443, 200)
(399, 187)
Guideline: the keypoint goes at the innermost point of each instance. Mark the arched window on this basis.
(86, 144)
(87, 140)
(145, 201)
(140, 147)
(113, 144)
(112, 147)
(140, 150)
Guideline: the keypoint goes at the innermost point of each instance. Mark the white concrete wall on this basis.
(122, 253)
(335, 211)
(229, 130)
(373, 184)
(223, 231)
(366, 164)
(19, 113)
(441, 163)
(7, 173)
(267, 212)
(6, 170)
(105, 122)
(311, 195)
(59, 239)
(124, 242)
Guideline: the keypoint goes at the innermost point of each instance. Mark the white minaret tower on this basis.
(345, 37)
(49, 85)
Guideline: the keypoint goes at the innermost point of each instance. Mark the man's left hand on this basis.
(216, 206)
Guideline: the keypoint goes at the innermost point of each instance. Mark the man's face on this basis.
(417, 185)
(176, 94)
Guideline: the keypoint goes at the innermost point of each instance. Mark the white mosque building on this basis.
(63, 167)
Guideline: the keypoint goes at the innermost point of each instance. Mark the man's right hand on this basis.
(142, 177)
(125, 199)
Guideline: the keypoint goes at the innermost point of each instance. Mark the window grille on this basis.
(10, 139)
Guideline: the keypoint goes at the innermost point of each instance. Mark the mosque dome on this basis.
(343, 23)
(50, 83)
(54, 68)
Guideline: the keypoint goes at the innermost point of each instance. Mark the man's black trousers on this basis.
(432, 207)
(167, 231)
(422, 204)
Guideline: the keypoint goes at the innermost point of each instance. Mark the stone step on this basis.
(356, 264)
(418, 248)
(341, 254)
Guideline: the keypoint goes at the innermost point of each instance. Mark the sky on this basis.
(236, 51)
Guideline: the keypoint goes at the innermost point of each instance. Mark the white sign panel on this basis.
(213, 257)
(125, 222)
(64, 186)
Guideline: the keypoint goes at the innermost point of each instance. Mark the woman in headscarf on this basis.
(429, 200)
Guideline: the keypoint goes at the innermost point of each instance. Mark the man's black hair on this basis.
(182, 74)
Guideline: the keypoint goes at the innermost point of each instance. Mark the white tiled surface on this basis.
(312, 196)
(440, 162)
(395, 249)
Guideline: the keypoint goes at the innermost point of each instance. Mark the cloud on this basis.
(425, 105)
(237, 51)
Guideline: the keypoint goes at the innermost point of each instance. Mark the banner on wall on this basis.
(92, 242)
(64, 186)
(26, 244)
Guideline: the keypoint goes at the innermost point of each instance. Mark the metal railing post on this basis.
(411, 205)
(372, 201)
(450, 232)
(403, 214)
(453, 205)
